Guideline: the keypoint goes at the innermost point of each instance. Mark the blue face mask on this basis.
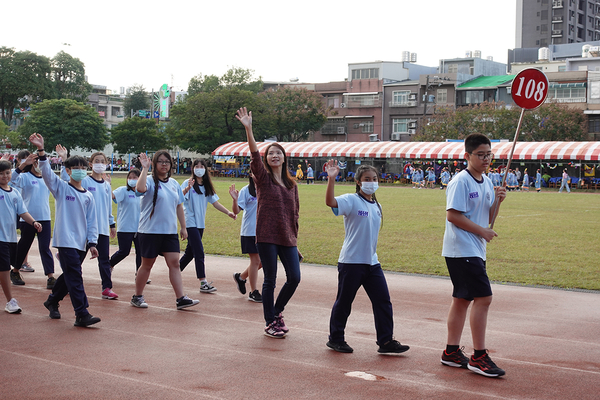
(78, 174)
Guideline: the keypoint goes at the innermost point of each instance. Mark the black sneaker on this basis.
(50, 283)
(86, 320)
(15, 278)
(485, 366)
(53, 308)
(184, 302)
(241, 283)
(392, 347)
(456, 359)
(341, 347)
(255, 296)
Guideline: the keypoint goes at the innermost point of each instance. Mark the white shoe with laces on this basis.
(12, 307)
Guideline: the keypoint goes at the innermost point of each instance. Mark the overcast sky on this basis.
(154, 42)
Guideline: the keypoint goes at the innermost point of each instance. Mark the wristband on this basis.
(40, 150)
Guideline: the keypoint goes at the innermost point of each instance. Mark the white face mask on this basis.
(199, 172)
(132, 182)
(23, 161)
(98, 168)
(369, 188)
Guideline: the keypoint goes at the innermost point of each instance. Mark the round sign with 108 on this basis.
(529, 88)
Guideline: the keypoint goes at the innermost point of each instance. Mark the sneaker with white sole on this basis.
(26, 268)
(12, 307)
(138, 301)
(184, 302)
(255, 296)
(241, 283)
(108, 294)
(207, 287)
(273, 330)
(485, 366)
(456, 359)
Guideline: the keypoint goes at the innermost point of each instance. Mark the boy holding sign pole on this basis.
(471, 198)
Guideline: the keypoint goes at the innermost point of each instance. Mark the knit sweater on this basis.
(277, 208)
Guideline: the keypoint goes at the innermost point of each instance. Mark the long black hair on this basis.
(251, 186)
(155, 174)
(209, 189)
(359, 172)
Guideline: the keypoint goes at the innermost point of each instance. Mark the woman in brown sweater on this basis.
(276, 226)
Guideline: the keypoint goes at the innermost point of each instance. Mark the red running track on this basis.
(548, 341)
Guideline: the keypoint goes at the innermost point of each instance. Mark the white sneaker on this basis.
(12, 307)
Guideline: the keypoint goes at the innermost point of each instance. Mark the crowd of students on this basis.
(149, 208)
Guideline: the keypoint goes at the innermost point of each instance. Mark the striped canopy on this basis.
(585, 151)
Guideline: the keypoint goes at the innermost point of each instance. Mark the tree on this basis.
(137, 135)
(10, 139)
(67, 122)
(137, 99)
(24, 78)
(550, 122)
(68, 76)
(203, 84)
(292, 113)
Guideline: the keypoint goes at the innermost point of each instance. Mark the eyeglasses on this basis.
(164, 162)
(483, 156)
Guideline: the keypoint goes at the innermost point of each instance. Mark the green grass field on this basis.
(543, 238)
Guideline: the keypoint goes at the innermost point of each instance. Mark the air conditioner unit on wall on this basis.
(412, 131)
(343, 105)
(373, 137)
(412, 124)
(412, 96)
(395, 136)
(341, 130)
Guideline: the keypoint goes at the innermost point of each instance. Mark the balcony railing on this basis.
(411, 103)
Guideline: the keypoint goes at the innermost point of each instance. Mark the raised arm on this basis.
(333, 170)
(140, 186)
(234, 195)
(245, 118)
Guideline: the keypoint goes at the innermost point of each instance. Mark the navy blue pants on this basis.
(194, 250)
(268, 253)
(71, 281)
(350, 278)
(28, 233)
(125, 239)
(103, 248)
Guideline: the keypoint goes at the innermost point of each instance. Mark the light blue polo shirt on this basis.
(474, 199)
(128, 210)
(11, 205)
(164, 219)
(195, 205)
(362, 220)
(247, 202)
(35, 194)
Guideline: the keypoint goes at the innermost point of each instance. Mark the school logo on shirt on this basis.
(70, 198)
(91, 189)
(1, 197)
(362, 213)
(132, 196)
(34, 182)
(473, 195)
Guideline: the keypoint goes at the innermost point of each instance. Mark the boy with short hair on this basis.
(470, 206)
(75, 230)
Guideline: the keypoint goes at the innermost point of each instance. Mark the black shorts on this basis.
(154, 244)
(469, 277)
(249, 245)
(8, 255)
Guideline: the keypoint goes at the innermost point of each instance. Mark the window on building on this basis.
(115, 111)
(565, 94)
(367, 126)
(367, 73)
(544, 14)
(400, 96)
(594, 124)
(363, 100)
(102, 111)
(333, 101)
(595, 90)
(400, 125)
(442, 96)
(452, 68)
